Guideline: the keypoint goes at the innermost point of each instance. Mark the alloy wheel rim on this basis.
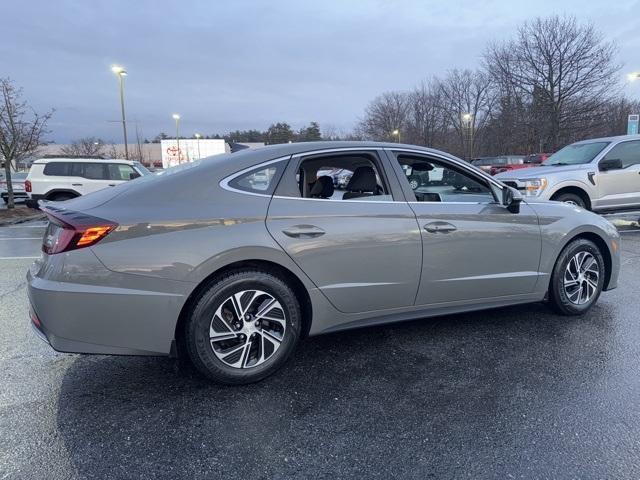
(247, 329)
(414, 184)
(572, 202)
(581, 277)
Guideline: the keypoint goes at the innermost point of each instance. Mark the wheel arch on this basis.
(280, 271)
(55, 191)
(602, 245)
(576, 190)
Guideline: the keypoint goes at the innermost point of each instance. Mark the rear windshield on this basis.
(576, 154)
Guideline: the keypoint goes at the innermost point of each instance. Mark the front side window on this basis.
(627, 152)
(120, 172)
(437, 181)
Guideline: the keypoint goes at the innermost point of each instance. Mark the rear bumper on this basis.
(101, 319)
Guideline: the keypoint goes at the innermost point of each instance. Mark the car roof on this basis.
(617, 138)
(82, 160)
(253, 156)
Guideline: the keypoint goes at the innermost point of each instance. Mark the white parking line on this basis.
(18, 258)
(21, 238)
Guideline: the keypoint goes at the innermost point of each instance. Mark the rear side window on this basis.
(262, 180)
(95, 171)
(57, 169)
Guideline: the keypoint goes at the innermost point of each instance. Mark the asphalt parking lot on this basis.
(507, 393)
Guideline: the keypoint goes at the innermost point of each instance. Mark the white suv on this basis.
(59, 179)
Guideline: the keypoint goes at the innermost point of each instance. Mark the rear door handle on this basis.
(303, 231)
(76, 184)
(439, 227)
(112, 184)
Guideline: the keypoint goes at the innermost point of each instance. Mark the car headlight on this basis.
(533, 187)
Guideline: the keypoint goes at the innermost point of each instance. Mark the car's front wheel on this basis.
(244, 327)
(577, 279)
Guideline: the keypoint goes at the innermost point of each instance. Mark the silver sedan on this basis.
(232, 259)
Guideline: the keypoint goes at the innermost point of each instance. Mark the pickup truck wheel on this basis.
(571, 199)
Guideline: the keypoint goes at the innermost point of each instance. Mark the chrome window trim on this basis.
(280, 197)
(224, 183)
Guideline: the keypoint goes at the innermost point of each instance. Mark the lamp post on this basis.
(176, 117)
(467, 118)
(198, 136)
(121, 73)
(396, 133)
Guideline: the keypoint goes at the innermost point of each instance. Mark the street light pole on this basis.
(198, 142)
(121, 73)
(176, 117)
(468, 119)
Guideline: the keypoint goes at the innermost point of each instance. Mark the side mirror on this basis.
(133, 175)
(610, 164)
(511, 198)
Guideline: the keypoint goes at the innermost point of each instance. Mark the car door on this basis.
(473, 247)
(619, 188)
(363, 252)
(88, 177)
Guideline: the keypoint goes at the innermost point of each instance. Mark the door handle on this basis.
(112, 184)
(439, 227)
(76, 184)
(303, 231)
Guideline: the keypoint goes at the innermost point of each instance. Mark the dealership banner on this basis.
(189, 149)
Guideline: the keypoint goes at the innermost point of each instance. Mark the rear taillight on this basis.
(69, 230)
(27, 186)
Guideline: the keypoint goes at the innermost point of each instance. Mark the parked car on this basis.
(17, 182)
(59, 179)
(233, 276)
(528, 162)
(487, 163)
(598, 174)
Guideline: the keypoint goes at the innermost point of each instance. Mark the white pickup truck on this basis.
(599, 175)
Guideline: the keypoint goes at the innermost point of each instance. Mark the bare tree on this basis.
(84, 147)
(21, 130)
(426, 124)
(565, 71)
(384, 115)
(467, 100)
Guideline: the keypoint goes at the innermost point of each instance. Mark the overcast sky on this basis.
(227, 65)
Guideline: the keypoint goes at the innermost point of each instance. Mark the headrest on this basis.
(322, 187)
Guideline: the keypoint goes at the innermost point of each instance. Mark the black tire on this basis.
(558, 296)
(573, 199)
(197, 340)
(61, 197)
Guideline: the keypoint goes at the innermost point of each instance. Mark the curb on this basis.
(623, 224)
(28, 218)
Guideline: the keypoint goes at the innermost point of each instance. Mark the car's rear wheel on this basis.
(577, 279)
(571, 199)
(243, 327)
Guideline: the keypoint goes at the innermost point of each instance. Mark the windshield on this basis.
(576, 154)
(142, 169)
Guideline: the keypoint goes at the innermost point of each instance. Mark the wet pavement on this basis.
(508, 393)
